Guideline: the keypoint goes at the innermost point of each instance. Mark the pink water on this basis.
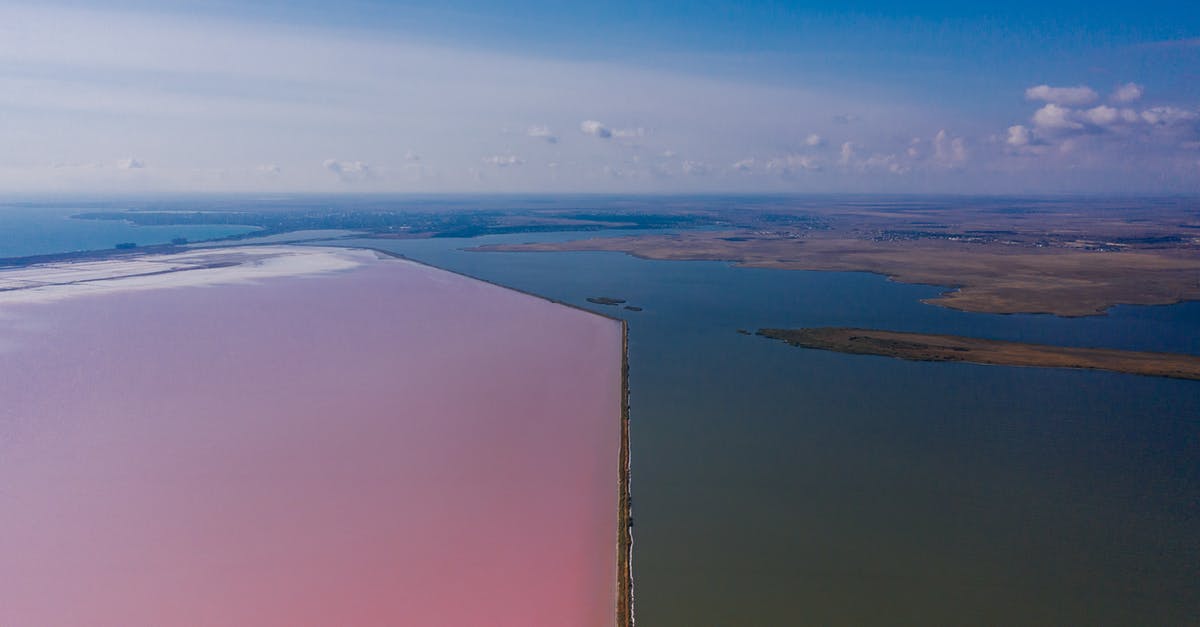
(392, 445)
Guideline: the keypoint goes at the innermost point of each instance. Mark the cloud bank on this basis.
(348, 171)
(1080, 95)
(127, 101)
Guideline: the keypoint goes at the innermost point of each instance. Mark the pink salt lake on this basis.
(373, 443)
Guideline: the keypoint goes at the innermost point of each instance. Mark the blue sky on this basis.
(461, 96)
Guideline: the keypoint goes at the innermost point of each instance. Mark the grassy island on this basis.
(926, 347)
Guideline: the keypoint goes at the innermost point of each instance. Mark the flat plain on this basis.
(1058, 257)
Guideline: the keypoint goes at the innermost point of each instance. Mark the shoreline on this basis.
(625, 616)
(972, 277)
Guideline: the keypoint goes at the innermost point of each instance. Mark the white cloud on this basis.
(1074, 96)
(348, 171)
(695, 168)
(794, 163)
(603, 131)
(784, 165)
(541, 131)
(87, 165)
(958, 149)
(1018, 135)
(1105, 141)
(949, 151)
(503, 161)
(612, 172)
(1054, 117)
(1166, 116)
(130, 163)
(221, 94)
(1055, 121)
(847, 153)
(214, 97)
(595, 129)
(268, 169)
(1129, 92)
(888, 163)
(1102, 115)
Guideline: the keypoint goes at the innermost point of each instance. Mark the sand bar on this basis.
(928, 347)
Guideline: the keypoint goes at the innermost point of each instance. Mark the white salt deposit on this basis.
(51, 282)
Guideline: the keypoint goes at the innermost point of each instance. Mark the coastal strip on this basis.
(927, 347)
(624, 499)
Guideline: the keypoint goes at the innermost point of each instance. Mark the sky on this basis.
(615, 97)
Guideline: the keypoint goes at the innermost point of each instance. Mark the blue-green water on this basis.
(41, 230)
(781, 486)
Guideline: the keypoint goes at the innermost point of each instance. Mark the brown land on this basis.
(925, 347)
(1040, 259)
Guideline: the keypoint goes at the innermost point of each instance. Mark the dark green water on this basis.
(781, 486)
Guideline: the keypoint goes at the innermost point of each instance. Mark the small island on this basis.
(927, 347)
(605, 300)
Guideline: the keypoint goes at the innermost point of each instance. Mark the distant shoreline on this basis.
(1026, 258)
(929, 347)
